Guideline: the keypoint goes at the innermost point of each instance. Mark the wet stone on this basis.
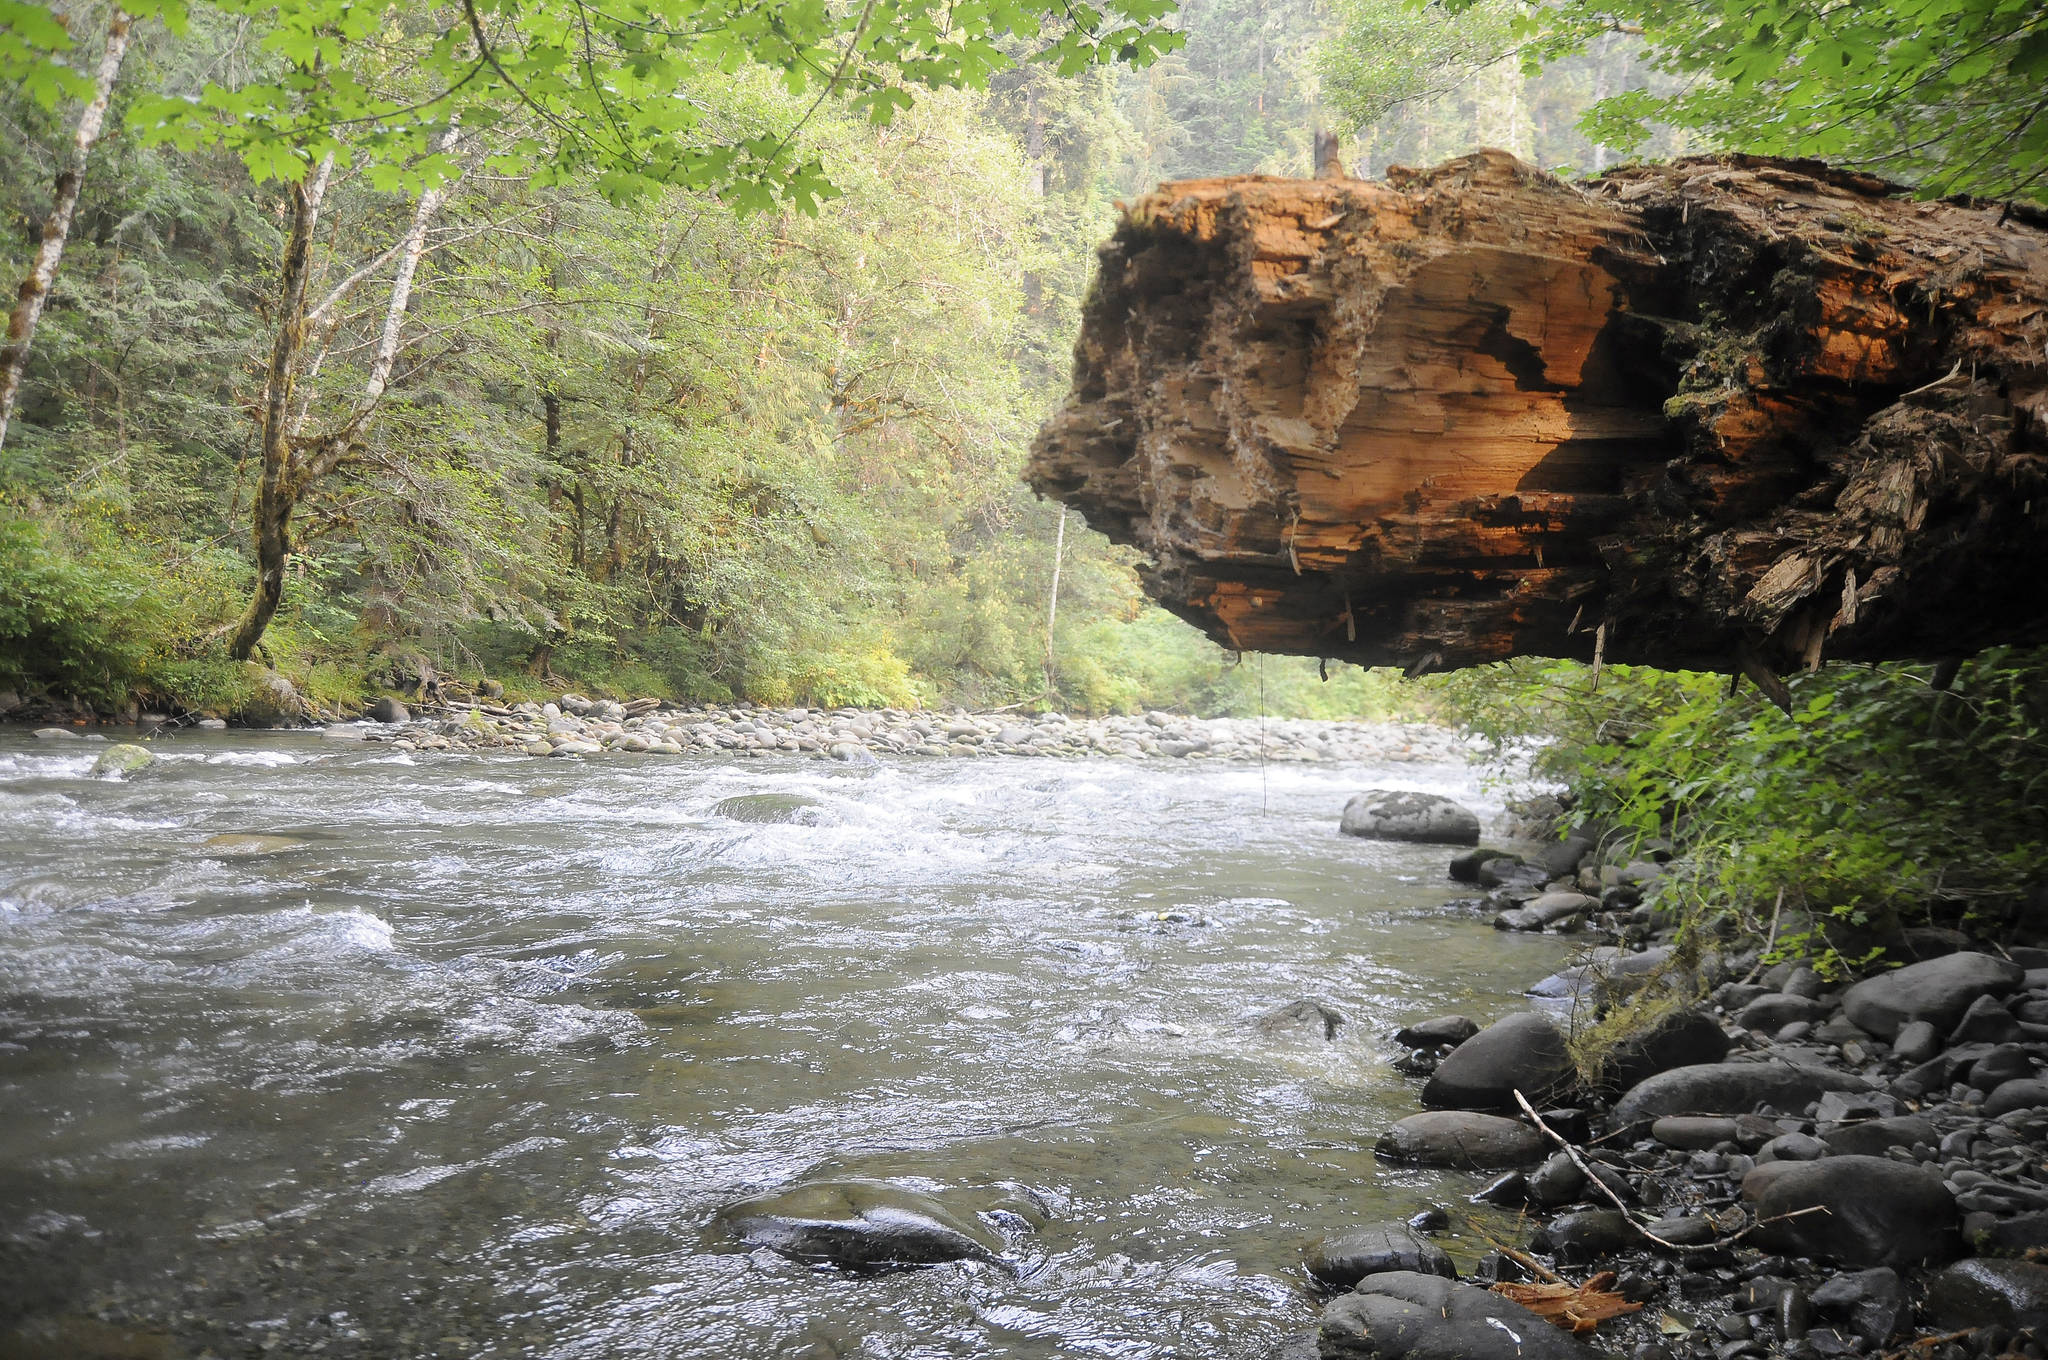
(1461, 1139)
(1407, 1316)
(1980, 1293)
(1444, 1031)
(1693, 1132)
(859, 1225)
(1342, 1261)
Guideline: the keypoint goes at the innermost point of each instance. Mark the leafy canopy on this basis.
(1949, 94)
(623, 93)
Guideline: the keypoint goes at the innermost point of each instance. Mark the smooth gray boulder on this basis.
(1460, 1138)
(1685, 1038)
(1397, 815)
(1443, 1031)
(1873, 1211)
(1872, 1137)
(2022, 1093)
(1402, 1315)
(1693, 1133)
(1342, 1261)
(859, 1225)
(386, 709)
(1524, 1051)
(1773, 1011)
(1986, 1293)
(1731, 1088)
(1586, 1236)
(1938, 991)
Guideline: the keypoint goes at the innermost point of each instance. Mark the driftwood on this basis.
(1574, 1307)
(1727, 413)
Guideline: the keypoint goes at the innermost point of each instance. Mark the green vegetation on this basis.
(1878, 802)
(741, 424)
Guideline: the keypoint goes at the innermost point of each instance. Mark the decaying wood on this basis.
(1727, 413)
(1574, 1307)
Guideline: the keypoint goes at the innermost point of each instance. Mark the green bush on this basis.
(1877, 801)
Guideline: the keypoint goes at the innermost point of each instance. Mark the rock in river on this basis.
(1344, 1260)
(1458, 1138)
(1731, 1088)
(122, 759)
(386, 709)
(1407, 1316)
(1873, 1211)
(1937, 991)
(859, 1225)
(1391, 815)
(1306, 1019)
(1520, 1052)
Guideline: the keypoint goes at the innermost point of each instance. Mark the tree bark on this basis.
(35, 289)
(1728, 413)
(276, 491)
(287, 474)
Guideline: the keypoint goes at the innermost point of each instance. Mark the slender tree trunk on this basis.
(275, 492)
(1052, 609)
(286, 476)
(35, 289)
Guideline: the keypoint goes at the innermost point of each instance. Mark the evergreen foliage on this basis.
(651, 447)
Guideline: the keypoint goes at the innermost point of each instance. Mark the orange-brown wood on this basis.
(1723, 407)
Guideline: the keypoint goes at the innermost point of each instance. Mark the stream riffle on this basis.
(321, 1048)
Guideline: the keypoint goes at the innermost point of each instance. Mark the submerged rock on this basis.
(1392, 815)
(1404, 1315)
(859, 1225)
(793, 809)
(1307, 1018)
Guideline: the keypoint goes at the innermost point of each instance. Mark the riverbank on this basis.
(578, 726)
(1774, 1165)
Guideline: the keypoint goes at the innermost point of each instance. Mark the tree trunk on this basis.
(1728, 413)
(286, 476)
(35, 289)
(276, 488)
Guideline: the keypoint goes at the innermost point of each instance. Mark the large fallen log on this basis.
(1722, 413)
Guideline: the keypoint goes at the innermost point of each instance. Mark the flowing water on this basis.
(321, 1049)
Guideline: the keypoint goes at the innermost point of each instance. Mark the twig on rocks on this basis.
(1607, 1191)
(1770, 940)
(1913, 1350)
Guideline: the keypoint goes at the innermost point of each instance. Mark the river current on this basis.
(312, 1048)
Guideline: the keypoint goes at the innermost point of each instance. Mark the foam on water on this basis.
(503, 1034)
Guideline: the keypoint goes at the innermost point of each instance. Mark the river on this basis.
(457, 1055)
